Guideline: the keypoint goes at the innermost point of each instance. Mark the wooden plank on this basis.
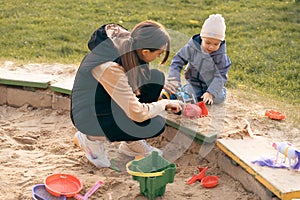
(191, 132)
(64, 86)
(25, 79)
(203, 129)
(284, 183)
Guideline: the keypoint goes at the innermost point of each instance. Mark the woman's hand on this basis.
(207, 98)
(174, 106)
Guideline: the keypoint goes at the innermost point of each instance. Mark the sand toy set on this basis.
(61, 187)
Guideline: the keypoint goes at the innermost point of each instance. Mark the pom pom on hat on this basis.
(214, 27)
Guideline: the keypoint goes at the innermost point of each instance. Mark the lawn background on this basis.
(262, 36)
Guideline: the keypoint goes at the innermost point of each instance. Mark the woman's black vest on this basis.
(89, 100)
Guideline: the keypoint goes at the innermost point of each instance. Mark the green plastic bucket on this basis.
(153, 173)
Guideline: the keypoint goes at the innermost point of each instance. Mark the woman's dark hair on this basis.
(148, 35)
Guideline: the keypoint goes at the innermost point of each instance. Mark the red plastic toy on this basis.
(210, 181)
(63, 184)
(197, 177)
(206, 181)
(272, 114)
(202, 105)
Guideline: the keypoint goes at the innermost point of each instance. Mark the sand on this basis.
(37, 142)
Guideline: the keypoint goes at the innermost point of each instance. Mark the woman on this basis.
(115, 93)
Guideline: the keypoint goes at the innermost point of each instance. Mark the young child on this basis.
(115, 93)
(206, 61)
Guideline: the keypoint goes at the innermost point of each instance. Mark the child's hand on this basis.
(171, 85)
(207, 98)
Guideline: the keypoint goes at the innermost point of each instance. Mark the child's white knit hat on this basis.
(214, 27)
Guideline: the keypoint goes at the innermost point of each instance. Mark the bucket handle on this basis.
(142, 174)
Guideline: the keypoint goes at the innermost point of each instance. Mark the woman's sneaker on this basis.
(137, 148)
(94, 150)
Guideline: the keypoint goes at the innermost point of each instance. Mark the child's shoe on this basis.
(137, 148)
(94, 150)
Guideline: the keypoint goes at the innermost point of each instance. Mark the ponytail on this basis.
(130, 62)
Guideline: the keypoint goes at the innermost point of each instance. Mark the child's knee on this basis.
(221, 98)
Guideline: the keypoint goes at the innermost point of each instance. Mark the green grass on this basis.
(262, 36)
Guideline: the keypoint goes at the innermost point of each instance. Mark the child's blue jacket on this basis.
(205, 72)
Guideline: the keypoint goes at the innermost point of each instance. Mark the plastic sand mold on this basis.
(39, 192)
(63, 185)
(210, 181)
(272, 114)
